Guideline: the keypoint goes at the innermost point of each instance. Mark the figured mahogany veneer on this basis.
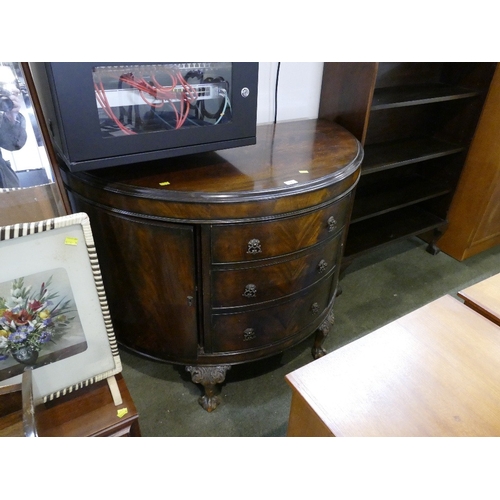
(222, 258)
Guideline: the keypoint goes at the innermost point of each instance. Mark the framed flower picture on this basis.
(53, 309)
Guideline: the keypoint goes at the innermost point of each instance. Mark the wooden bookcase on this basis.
(415, 121)
(474, 216)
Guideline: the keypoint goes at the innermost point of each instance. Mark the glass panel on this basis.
(23, 157)
(28, 192)
(137, 99)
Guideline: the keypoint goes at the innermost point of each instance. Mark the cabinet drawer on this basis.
(260, 283)
(261, 240)
(261, 327)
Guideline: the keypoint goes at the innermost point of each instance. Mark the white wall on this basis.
(298, 90)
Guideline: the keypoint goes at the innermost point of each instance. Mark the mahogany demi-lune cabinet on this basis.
(223, 258)
(415, 121)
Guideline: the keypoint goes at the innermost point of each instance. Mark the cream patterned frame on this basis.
(66, 242)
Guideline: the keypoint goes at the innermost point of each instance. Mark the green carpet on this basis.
(376, 289)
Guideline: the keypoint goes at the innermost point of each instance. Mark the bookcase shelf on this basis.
(403, 152)
(404, 191)
(414, 95)
(415, 122)
(369, 234)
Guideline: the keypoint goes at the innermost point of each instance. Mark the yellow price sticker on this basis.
(71, 241)
(166, 183)
(122, 412)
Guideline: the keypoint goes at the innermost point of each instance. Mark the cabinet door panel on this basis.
(148, 273)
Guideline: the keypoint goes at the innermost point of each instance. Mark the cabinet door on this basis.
(148, 269)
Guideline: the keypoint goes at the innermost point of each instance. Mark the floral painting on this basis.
(39, 322)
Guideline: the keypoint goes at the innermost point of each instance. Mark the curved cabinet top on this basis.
(294, 166)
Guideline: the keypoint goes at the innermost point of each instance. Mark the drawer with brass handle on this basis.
(261, 240)
(260, 283)
(262, 326)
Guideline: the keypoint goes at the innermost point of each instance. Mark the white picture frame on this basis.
(61, 250)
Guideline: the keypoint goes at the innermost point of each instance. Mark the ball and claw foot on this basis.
(209, 377)
(209, 402)
(317, 350)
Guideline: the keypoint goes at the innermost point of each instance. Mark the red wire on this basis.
(103, 100)
(159, 92)
(165, 88)
(189, 95)
(144, 87)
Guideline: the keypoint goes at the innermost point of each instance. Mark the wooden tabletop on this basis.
(294, 166)
(433, 372)
(484, 297)
(89, 411)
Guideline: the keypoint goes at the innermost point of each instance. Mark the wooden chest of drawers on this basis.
(223, 258)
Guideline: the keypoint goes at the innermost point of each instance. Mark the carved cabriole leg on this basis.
(317, 350)
(208, 377)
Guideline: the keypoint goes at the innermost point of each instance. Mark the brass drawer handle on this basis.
(254, 246)
(323, 264)
(332, 223)
(249, 334)
(250, 291)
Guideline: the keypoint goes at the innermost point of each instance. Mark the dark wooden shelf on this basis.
(404, 152)
(415, 122)
(396, 97)
(387, 228)
(382, 197)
